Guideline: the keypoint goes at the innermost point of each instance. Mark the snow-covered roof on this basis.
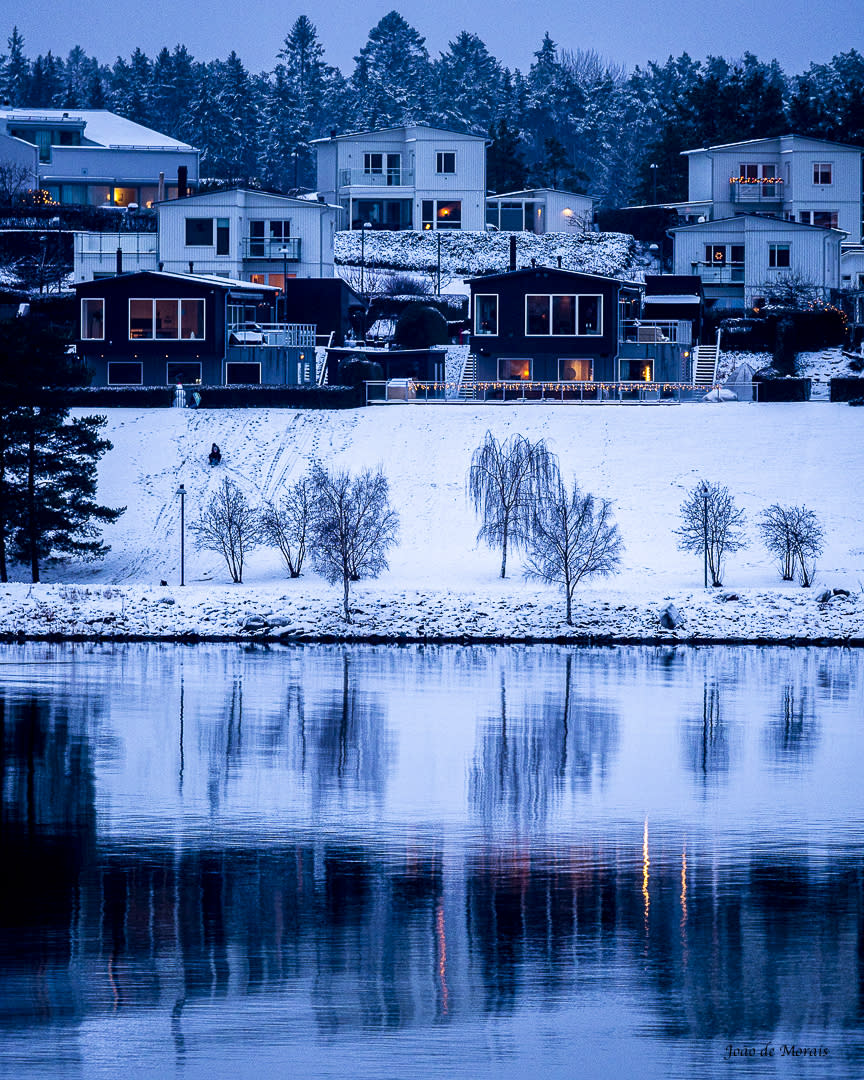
(102, 127)
(672, 298)
(754, 221)
(400, 127)
(770, 139)
(540, 191)
(222, 192)
(553, 270)
(203, 279)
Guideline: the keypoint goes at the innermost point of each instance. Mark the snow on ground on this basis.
(612, 254)
(822, 367)
(645, 458)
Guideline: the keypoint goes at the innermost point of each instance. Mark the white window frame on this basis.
(477, 330)
(368, 167)
(91, 300)
(439, 155)
(773, 248)
(187, 364)
(577, 297)
(529, 360)
(818, 167)
(212, 243)
(179, 301)
(247, 363)
(582, 360)
(111, 363)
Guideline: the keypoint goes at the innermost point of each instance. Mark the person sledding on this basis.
(215, 455)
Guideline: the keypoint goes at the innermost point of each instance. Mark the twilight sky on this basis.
(626, 31)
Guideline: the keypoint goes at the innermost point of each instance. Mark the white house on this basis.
(539, 210)
(741, 258)
(94, 157)
(412, 177)
(235, 233)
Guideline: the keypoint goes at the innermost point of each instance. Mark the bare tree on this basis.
(229, 526)
(794, 536)
(285, 524)
(14, 181)
(572, 536)
(352, 527)
(711, 521)
(506, 481)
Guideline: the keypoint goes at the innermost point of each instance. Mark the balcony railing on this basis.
(272, 335)
(656, 331)
(711, 274)
(758, 191)
(267, 248)
(385, 178)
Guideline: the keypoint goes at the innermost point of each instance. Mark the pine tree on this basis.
(236, 106)
(505, 166)
(393, 76)
(78, 73)
(131, 86)
(55, 463)
(468, 85)
(15, 78)
(46, 82)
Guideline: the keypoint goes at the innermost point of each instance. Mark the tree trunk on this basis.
(569, 609)
(345, 607)
(504, 550)
(31, 506)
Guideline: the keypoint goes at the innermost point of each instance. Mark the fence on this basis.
(574, 393)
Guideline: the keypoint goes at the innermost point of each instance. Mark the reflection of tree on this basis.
(792, 733)
(706, 743)
(525, 761)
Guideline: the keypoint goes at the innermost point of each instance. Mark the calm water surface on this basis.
(227, 861)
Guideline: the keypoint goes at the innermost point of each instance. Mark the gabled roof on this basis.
(551, 270)
(401, 127)
(230, 284)
(771, 139)
(102, 127)
(759, 221)
(541, 191)
(293, 200)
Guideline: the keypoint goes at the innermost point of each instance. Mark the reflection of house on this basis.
(157, 328)
(412, 177)
(743, 258)
(93, 157)
(539, 210)
(558, 325)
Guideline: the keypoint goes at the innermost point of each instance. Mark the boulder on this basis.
(840, 592)
(670, 618)
(727, 596)
(825, 597)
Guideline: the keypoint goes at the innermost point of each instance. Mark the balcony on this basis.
(254, 335)
(711, 274)
(655, 331)
(757, 191)
(384, 179)
(267, 248)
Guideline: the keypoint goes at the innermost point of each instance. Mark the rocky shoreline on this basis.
(273, 614)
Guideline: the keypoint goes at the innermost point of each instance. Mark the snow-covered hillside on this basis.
(644, 458)
(612, 254)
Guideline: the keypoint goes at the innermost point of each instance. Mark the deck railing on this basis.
(572, 393)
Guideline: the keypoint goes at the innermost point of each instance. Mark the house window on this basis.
(199, 232)
(373, 164)
(280, 230)
(441, 214)
(93, 320)
(563, 316)
(192, 320)
(486, 314)
(223, 236)
(188, 372)
(715, 254)
(123, 196)
(243, 374)
(394, 169)
(127, 373)
(574, 369)
(778, 256)
(825, 219)
(822, 172)
(166, 320)
(510, 368)
(445, 161)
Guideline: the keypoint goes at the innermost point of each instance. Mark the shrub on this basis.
(420, 326)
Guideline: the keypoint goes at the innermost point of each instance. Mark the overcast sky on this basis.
(629, 32)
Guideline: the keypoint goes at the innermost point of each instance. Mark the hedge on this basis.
(772, 390)
(212, 397)
(847, 389)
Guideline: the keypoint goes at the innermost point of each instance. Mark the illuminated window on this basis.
(574, 369)
(140, 319)
(441, 214)
(486, 314)
(191, 319)
(167, 323)
(822, 172)
(563, 316)
(510, 367)
(445, 161)
(93, 320)
(123, 196)
(166, 320)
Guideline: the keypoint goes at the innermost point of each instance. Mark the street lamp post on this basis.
(181, 491)
(366, 225)
(439, 260)
(705, 491)
(654, 169)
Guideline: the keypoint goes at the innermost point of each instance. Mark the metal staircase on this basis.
(705, 361)
(468, 379)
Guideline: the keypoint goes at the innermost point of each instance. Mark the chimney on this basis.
(119, 268)
(332, 133)
(182, 174)
(160, 191)
(559, 262)
(191, 267)
(512, 251)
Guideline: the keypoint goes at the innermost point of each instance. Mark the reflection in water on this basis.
(292, 830)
